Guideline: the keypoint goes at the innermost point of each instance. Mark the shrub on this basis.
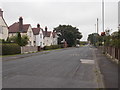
(61, 45)
(10, 49)
(53, 47)
(47, 48)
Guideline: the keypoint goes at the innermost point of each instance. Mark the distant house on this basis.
(47, 37)
(38, 36)
(50, 38)
(3, 27)
(24, 29)
(55, 38)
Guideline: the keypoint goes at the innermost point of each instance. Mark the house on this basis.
(3, 27)
(24, 29)
(55, 38)
(47, 37)
(38, 36)
(50, 38)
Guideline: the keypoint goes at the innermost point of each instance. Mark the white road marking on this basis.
(86, 61)
(74, 54)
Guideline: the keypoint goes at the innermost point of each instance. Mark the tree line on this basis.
(66, 33)
(106, 39)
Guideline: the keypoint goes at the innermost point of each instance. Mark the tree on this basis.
(19, 39)
(25, 40)
(93, 38)
(115, 39)
(69, 33)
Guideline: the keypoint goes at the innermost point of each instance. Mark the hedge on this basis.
(10, 49)
(53, 47)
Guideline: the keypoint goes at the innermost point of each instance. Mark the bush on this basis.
(83, 42)
(61, 45)
(53, 47)
(47, 48)
(10, 49)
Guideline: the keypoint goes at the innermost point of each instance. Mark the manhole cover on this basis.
(87, 61)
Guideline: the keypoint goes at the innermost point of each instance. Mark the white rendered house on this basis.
(38, 36)
(24, 29)
(3, 27)
(50, 38)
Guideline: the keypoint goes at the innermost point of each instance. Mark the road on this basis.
(55, 69)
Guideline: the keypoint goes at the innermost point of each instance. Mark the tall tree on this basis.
(19, 39)
(69, 33)
(93, 38)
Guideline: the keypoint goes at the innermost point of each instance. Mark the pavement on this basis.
(64, 68)
(109, 70)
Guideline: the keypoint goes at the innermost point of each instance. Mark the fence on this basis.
(113, 52)
(27, 49)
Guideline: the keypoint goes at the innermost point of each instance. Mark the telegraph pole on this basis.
(103, 25)
(97, 26)
(103, 15)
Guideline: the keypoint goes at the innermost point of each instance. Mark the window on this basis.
(40, 35)
(40, 43)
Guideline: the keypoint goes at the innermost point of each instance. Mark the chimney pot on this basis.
(46, 28)
(46, 31)
(38, 25)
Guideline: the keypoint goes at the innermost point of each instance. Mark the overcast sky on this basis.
(79, 13)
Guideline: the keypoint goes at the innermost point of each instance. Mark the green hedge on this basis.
(53, 47)
(10, 49)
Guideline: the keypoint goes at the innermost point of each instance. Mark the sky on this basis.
(82, 14)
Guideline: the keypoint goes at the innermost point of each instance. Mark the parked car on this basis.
(77, 45)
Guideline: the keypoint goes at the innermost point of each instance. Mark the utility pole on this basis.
(95, 36)
(97, 26)
(103, 25)
(103, 15)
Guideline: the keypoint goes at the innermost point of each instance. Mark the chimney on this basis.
(20, 24)
(1, 12)
(45, 30)
(38, 25)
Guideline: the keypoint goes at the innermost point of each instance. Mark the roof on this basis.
(36, 31)
(48, 33)
(14, 28)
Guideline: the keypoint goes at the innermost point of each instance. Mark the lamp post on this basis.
(97, 26)
(103, 25)
(103, 15)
